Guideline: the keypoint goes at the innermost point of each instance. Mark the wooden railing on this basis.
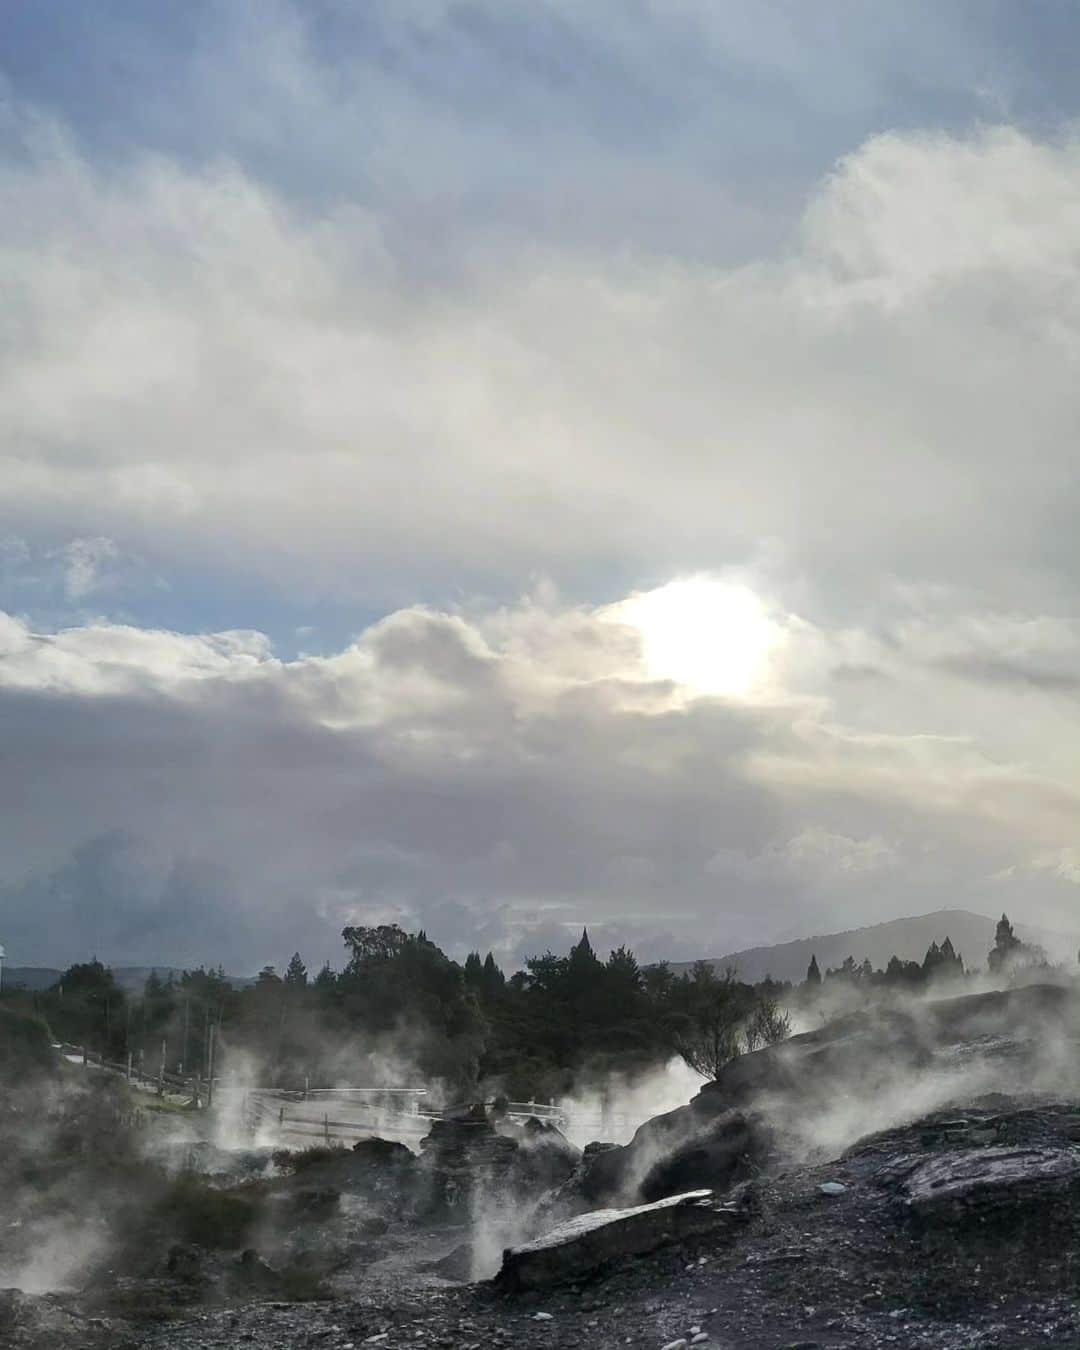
(322, 1113)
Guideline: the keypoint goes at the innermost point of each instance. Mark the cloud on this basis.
(341, 421)
(812, 857)
(500, 776)
(85, 560)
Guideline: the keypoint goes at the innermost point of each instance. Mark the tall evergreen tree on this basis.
(296, 973)
(493, 980)
(474, 971)
(1006, 945)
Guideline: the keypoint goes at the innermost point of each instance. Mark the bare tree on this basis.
(708, 1036)
(768, 1024)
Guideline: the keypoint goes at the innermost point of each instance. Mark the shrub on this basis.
(205, 1216)
(25, 1046)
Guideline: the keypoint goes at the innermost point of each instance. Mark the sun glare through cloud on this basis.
(708, 635)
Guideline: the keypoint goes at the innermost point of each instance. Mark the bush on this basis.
(25, 1046)
(296, 1160)
(207, 1217)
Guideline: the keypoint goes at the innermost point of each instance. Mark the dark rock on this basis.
(185, 1261)
(315, 1202)
(472, 1141)
(253, 1275)
(381, 1172)
(383, 1152)
(462, 1158)
(718, 1156)
(1003, 1187)
(455, 1265)
(692, 1146)
(546, 1157)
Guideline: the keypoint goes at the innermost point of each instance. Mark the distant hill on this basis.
(130, 978)
(30, 977)
(972, 935)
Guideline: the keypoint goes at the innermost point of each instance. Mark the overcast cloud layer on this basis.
(347, 388)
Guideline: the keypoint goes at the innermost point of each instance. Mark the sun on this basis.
(708, 635)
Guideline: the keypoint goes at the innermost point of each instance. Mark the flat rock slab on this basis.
(581, 1245)
(954, 1185)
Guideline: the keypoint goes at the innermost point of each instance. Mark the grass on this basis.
(298, 1160)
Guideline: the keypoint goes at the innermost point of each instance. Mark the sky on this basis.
(498, 467)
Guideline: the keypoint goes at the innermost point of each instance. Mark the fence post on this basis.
(210, 1065)
(326, 1128)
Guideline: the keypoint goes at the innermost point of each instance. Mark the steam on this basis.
(57, 1255)
(612, 1108)
(1032, 1055)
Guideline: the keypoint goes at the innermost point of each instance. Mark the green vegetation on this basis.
(25, 1045)
(402, 1012)
(402, 1009)
(206, 1215)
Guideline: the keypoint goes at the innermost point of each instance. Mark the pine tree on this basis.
(296, 973)
(952, 963)
(582, 970)
(813, 974)
(583, 951)
(1006, 945)
(493, 979)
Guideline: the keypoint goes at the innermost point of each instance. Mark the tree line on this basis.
(941, 965)
(401, 1006)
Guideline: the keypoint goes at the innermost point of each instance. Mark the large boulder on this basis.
(690, 1147)
(464, 1162)
(997, 1191)
(546, 1158)
(587, 1243)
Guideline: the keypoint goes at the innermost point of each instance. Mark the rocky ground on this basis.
(958, 1229)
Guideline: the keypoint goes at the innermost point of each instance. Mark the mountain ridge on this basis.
(907, 937)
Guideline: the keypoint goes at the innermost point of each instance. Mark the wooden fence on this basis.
(330, 1115)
